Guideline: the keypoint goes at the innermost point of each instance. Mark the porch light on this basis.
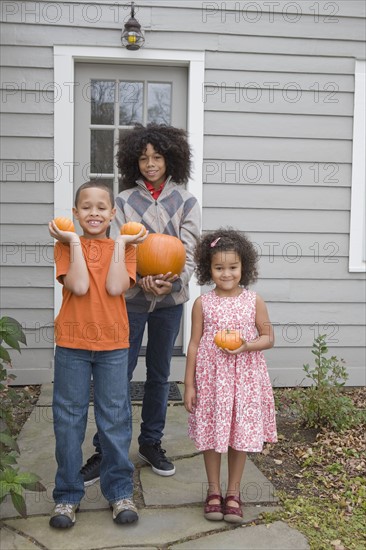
(132, 36)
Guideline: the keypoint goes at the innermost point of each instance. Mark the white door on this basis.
(112, 97)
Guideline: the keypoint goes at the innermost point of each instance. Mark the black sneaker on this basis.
(155, 456)
(91, 470)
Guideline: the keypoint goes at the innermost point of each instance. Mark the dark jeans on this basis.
(163, 327)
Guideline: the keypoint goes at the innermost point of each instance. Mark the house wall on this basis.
(278, 129)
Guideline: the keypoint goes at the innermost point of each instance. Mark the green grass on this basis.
(324, 521)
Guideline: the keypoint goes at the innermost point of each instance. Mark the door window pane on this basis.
(102, 151)
(159, 102)
(102, 101)
(105, 181)
(131, 100)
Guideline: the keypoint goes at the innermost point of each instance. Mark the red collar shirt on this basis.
(155, 193)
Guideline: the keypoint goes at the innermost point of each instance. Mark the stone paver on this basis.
(172, 513)
(10, 540)
(189, 484)
(276, 536)
(156, 526)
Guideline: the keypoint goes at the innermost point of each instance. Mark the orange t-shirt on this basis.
(95, 321)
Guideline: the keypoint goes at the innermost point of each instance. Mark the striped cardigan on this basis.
(176, 212)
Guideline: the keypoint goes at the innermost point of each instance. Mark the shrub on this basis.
(12, 482)
(324, 403)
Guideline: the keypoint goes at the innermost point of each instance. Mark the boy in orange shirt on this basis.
(92, 338)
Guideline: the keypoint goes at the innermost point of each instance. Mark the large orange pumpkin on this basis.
(160, 253)
(64, 224)
(228, 338)
(132, 228)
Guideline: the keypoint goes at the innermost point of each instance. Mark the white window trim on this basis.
(64, 71)
(357, 223)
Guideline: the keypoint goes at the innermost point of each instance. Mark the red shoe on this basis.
(231, 513)
(214, 512)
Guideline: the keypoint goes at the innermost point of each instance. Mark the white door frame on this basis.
(357, 238)
(65, 58)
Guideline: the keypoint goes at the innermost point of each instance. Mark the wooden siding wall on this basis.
(278, 98)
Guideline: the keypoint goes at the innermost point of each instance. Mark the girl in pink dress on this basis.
(228, 393)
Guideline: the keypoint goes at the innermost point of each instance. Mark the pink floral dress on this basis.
(235, 406)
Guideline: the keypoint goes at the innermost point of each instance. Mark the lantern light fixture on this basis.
(132, 36)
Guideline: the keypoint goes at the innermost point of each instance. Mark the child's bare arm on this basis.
(263, 324)
(265, 339)
(196, 334)
(76, 279)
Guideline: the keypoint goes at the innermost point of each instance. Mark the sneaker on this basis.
(63, 515)
(124, 511)
(91, 470)
(155, 456)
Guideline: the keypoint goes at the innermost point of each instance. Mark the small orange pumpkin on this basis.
(160, 253)
(132, 228)
(64, 224)
(228, 338)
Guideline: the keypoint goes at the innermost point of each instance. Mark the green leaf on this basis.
(30, 481)
(11, 341)
(36, 486)
(12, 327)
(8, 475)
(7, 459)
(4, 355)
(9, 441)
(26, 477)
(4, 489)
(16, 488)
(19, 503)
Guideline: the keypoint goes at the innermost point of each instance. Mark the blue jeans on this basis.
(163, 327)
(112, 407)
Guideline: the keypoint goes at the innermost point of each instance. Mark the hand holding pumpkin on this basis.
(133, 233)
(64, 224)
(158, 284)
(230, 340)
(132, 228)
(63, 230)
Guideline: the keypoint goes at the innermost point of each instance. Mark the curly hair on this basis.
(226, 239)
(168, 141)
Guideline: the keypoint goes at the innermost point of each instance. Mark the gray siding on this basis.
(27, 204)
(278, 100)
